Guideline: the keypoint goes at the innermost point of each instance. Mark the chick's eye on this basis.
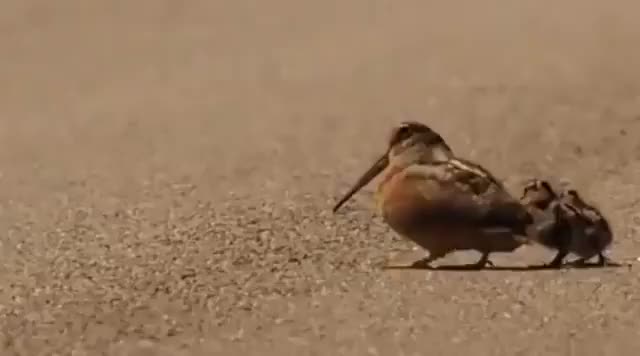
(531, 186)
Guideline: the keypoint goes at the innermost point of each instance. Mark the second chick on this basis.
(592, 233)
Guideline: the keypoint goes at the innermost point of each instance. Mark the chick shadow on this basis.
(592, 265)
(528, 268)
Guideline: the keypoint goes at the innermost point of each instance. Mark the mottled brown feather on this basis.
(448, 206)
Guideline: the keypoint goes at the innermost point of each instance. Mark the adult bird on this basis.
(441, 202)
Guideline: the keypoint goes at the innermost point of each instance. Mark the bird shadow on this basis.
(472, 268)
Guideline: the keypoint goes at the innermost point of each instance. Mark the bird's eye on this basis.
(546, 186)
(401, 134)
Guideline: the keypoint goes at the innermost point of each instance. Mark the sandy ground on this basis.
(167, 171)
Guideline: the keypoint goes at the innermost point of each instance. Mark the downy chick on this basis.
(592, 233)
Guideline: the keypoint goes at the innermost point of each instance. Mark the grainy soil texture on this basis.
(167, 171)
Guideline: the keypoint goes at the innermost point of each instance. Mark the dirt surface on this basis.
(167, 171)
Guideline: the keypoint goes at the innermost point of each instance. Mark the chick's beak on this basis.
(367, 177)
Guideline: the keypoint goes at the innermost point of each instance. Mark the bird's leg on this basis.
(426, 262)
(563, 234)
(483, 262)
(557, 261)
(580, 262)
(564, 243)
(603, 260)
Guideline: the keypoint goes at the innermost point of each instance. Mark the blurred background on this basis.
(151, 149)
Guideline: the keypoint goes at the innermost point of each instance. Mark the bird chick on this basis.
(592, 233)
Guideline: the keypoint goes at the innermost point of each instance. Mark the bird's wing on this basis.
(591, 213)
(459, 192)
(476, 172)
(594, 219)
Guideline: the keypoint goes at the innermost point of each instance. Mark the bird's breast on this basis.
(388, 186)
(404, 202)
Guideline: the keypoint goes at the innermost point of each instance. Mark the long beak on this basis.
(375, 169)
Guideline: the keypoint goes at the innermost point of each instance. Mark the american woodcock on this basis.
(566, 223)
(551, 227)
(441, 202)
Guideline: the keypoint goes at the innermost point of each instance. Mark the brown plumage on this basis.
(441, 202)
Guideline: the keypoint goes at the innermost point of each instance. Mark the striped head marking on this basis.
(538, 192)
(407, 142)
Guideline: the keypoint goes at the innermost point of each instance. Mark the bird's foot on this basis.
(554, 265)
(557, 262)
(580, 262)
(604, 261)
(424, 263)
(482, 263)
